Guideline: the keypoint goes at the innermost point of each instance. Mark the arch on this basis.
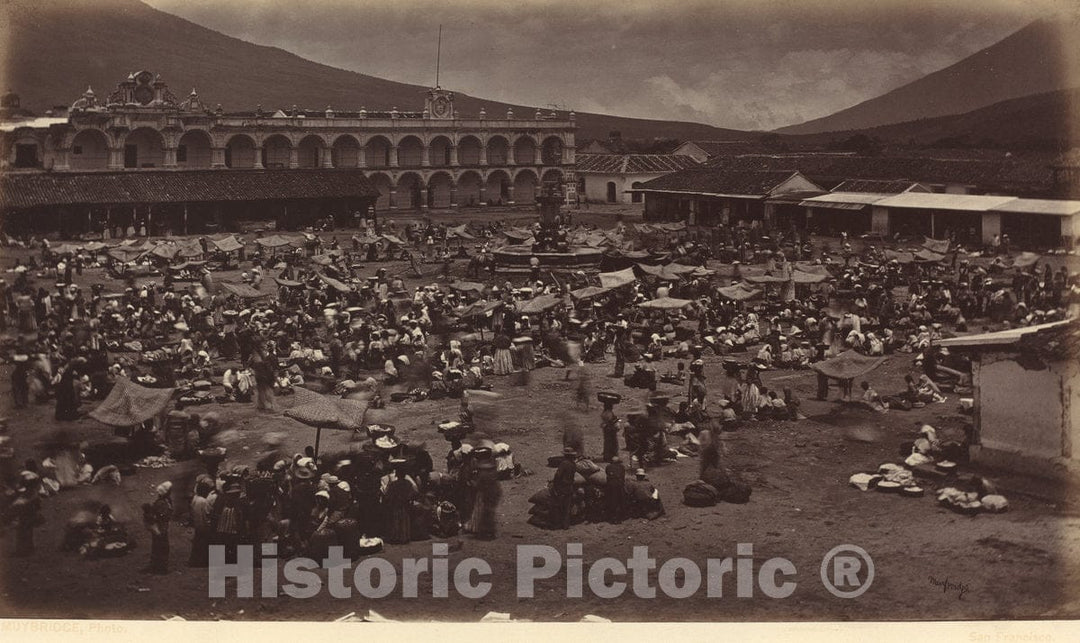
(525, 185)
(552, 176)
(612, 192)
(410, 152)
(345, 151)
(276, 151)
(408, 191)
(497, 187)
(144, 147)
(384, 185)
(468, 150)
(498, 150)
(90, 150)
(439, 186)
(439, 151)
(551, 151)
(377, 152)
(635, 197)
(194, 149)
(468, 188)
(240, 152)
(524, 150)
(310, 151)
(25, 149)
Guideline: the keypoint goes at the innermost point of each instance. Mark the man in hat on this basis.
(157, 517)
(562, 489)
(644, 497)
(615, 491)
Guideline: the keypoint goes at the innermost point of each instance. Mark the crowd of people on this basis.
(312, 317)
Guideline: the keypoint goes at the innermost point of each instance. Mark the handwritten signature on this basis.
(947, 586)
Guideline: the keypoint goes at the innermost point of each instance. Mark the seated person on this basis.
(872, 399)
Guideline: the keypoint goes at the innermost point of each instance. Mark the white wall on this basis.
(1020, 411)
(596, 186)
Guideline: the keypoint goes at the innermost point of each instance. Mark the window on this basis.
(181, 154)
(131, 156)
(76, 149)
(26, 155)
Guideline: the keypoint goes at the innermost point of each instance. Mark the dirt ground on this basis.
(1020, 564)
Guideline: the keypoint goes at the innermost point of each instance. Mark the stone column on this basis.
(170, 157)
(453, 196)
(116, 158)
(393, 198)
(294, 158)
(217, 157)
(327, 157)
(483, 194)
(393, 157)
(258, 157)
(538, 155)
(423, 198)
(510, 194)
(425, 156)
(453, 156)
(483, 155)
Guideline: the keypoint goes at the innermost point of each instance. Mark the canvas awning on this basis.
(847, 365)
(739, 292)
(335, 284)
(666, 303)
(129, 404)
(273, 241)
(618, 278)
(539, 304)
(243, 291)
(588, 292)
(467, 286)
(227, 243)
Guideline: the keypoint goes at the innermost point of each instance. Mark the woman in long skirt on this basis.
(504, 359)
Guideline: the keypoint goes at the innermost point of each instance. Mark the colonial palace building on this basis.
(436, 158)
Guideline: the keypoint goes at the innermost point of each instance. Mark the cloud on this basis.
(732, 63)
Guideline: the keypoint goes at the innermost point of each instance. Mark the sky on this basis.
(742, 64)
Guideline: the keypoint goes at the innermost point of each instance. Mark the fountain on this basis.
(551, 245)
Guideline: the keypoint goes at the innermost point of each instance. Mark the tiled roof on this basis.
(714, 180)
(1007, 174)
(875, 187)
(18, 190)
(631, 163)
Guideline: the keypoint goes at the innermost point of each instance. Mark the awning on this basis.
(243, 291)
(539, 304)
(467, 286)
(666, 303)
(588, 292)
(227, 244)
(618, 278)
(273, 241)
(739, 292)
(847, 365)
(129, 404)
(833, 205)
(335, 284)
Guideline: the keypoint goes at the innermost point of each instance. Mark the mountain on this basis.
(1042, 121)
(51, 50)
(1041, 57)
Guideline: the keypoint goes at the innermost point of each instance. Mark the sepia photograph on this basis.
(404, 311)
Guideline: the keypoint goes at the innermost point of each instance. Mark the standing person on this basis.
(609, 425)
(400, 494)
(615, 491)
(562, 489)
(20, 382)
(488, 495)
(157, 517)
(27, 512)
(264, 381)
(202, 508)
(67, 398)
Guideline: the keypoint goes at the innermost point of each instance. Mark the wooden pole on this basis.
(318, 436)
(185, 219)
